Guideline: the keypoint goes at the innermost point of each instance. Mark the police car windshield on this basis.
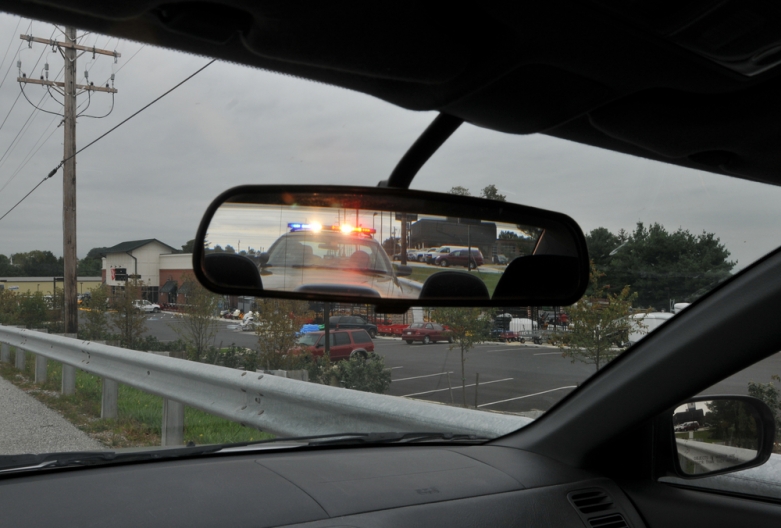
(328, 250)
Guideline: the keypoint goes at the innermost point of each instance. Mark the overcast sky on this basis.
(231, 125)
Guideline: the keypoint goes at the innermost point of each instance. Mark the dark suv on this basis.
(344, 343)
(460, 257)
(353, 321)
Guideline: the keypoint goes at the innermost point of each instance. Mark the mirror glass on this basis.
(714, 435)
(375, 246)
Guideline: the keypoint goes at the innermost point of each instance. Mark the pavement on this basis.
(28, 426)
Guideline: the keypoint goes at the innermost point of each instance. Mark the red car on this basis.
(460, 257)
(344, 343)
(426, 333)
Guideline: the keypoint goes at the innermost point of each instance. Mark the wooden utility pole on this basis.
(69, 90)
(71, 315)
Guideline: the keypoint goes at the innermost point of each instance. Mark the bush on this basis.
(357, 373)
(232, 357)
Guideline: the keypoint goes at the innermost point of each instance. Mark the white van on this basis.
(650, 322)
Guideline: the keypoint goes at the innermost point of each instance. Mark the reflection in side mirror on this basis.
(338, 244)
(722, 433)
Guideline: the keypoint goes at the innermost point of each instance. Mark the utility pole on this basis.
(71, 314)
(69, 90)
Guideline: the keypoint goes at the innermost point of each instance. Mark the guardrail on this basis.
(713, 457)
(277, 405)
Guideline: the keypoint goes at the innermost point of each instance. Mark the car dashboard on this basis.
(359, 486)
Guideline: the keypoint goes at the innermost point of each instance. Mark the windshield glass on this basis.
(659, 238)
(308, 339)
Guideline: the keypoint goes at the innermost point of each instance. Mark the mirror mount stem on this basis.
(421, 151)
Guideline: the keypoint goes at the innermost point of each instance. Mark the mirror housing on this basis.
(713, 435)
(316, 245)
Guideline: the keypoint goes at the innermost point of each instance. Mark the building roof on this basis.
(124, 247)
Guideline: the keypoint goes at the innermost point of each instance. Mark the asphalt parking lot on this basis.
(513, 378)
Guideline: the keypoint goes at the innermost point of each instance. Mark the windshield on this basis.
(309, 339)
(328, 251)
(659, 238)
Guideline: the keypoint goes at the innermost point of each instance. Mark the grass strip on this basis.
(140, 415)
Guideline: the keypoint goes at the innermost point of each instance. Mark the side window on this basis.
(438, 328)
(695, 425)
(361, 336)
(429, 326)
(342, 338)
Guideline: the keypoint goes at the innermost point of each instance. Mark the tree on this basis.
(460, 191)
(9, 307)
(660, 265)
(38, 264)
(468, 327)
(129, 321)
(95, 326)
(768, 393)
(229, 249)
(492, 193)
(188, 246)
(197, 326)
(278, 322)
(598, 322)
(33, 310)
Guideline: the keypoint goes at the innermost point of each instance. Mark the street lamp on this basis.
(373, 216)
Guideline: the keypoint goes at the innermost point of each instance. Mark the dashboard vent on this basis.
(591, 501)
(608, 521)
(597, 508)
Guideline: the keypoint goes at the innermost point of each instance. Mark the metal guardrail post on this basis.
(68, 375)
(173, 423)
(41, 369)
(20, 357)
(5, 353)
(108, 404)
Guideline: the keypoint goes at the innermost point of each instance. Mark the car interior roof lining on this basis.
(605, 65)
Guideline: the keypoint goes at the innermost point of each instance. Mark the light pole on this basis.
(373, 216)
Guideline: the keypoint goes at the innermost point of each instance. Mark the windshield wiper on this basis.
(400, 438)
(19, 463)
(13, 463)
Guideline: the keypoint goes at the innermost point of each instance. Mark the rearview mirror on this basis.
(720, 434)
(393, 247)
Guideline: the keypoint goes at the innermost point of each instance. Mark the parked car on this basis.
(353, 321)
(460, 257)
(426, 333)
(142, 305)
(344, 344)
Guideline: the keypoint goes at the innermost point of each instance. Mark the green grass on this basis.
(420, 274)
(140, 415)
(702, 436)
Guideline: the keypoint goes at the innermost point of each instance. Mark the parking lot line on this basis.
(424, 376)
(392, 368)
(548, 353)
(455, 387)
(528, 395)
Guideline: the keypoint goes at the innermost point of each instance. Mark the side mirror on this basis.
(720, 434)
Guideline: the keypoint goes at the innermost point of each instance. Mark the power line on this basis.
(54, 170)
(25, 197)
(31, 154)
(10, 42)
(133, 115)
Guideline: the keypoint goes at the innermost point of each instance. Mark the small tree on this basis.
(363, 374)
(468, 327)
(598, 322)
(278, 322)
(9, 307)
(129, 321)
(95, 326)
(33, 310)
(771, 395)
(197, 326)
